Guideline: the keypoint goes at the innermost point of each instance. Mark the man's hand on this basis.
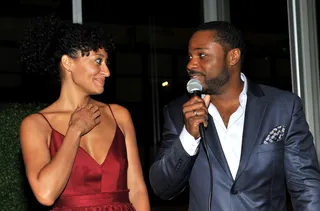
(196, 112)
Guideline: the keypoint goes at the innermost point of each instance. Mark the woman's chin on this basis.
(97, 91)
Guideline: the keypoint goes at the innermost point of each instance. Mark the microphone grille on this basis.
(194, 85)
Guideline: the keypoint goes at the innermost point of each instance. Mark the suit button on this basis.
(234, 191)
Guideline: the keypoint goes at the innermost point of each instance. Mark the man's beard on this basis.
(214, 84)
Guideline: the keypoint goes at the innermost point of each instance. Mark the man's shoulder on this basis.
(178, 102)
(274, 93)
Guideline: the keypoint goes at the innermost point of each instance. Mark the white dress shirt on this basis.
(230, 137)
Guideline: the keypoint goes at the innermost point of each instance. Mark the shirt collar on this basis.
(243, 94)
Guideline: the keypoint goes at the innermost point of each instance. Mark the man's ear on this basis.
(66, 63)
(234, 56)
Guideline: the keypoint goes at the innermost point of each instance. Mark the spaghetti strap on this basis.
(46, 120)
(112, 114)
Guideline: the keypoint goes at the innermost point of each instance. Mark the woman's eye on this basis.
(98, 61)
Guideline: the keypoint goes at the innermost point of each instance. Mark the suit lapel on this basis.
(213, 141)
(254, 114)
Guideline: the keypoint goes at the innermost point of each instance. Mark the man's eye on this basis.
(202, 55)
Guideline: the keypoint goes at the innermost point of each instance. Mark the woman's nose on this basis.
(105, 71)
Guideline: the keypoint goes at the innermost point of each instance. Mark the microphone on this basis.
(194, 88)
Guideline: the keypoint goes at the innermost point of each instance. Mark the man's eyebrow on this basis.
(201, 49)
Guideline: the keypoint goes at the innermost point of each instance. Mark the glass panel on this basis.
(318, 24)
(128, 89)
(9, 64)
(10, 80)
(14, 15)
(33, 8)
(128, 64)
(152, 40)
(161, 63)
(266, 37)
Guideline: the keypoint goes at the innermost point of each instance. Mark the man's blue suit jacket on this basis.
(266, 168)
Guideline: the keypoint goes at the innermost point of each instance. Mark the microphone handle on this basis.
(196, 93)
(201, 130)
(201, 126)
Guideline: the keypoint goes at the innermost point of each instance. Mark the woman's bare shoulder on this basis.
(120, 111)
(117, 110)
(36, 122)
(34, 127)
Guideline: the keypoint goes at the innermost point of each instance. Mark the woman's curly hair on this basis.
(50, 38)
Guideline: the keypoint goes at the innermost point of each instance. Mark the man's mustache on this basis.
(194, 72)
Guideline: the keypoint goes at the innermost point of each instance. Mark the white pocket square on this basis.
(275, 135)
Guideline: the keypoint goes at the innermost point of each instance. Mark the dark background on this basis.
(152, 39)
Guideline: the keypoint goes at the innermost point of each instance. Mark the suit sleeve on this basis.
(170, 172)
(301, 163)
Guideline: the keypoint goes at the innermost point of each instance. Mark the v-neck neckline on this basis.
(85, 152)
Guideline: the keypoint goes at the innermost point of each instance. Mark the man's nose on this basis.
(193, 64)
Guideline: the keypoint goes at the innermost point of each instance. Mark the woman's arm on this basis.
(138, 191)
(47, 177)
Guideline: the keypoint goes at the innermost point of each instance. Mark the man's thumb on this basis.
(207, 100)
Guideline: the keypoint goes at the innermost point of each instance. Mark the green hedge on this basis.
(15, 194)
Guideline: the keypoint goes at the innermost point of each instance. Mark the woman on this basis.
(79, 154)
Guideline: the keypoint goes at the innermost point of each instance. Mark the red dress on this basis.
(95, 187)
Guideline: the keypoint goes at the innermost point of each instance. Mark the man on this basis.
(259, 143)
